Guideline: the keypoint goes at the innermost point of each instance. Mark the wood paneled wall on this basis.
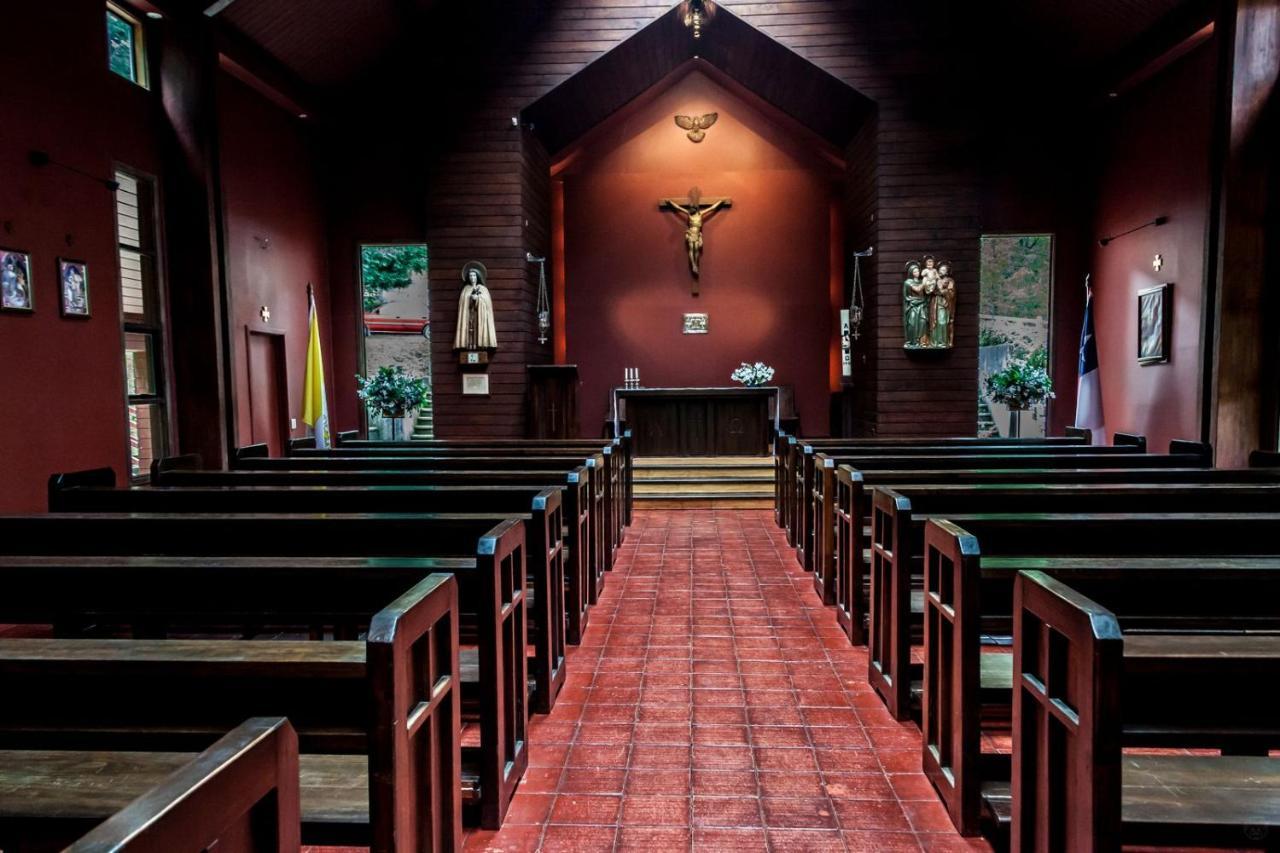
(488, 196)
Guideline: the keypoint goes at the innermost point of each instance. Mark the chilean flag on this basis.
(1089, 386)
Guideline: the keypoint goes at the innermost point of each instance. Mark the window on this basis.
(396, 307)
(1015, 290)
(125, 54)
(142, 316)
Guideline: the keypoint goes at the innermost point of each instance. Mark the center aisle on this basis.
(715, 705)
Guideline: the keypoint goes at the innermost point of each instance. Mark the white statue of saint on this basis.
(475, 311)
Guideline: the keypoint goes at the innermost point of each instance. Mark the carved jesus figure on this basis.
(696, 214)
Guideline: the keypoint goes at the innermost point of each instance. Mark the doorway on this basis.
(396, 320)
(268, 390)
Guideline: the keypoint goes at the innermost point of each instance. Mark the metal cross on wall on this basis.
(696, 212)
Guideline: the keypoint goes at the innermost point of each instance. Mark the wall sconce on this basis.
(696, 14)
(264, 243)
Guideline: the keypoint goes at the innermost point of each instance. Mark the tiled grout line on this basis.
(695, 597)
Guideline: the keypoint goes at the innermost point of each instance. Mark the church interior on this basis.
(522, 425)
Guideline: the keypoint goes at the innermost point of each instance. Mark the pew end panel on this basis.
(1202, 450)
(100, 478)
(849, 568)
(242, 793)
(824, 537)
(1067, 662)
(504, 736)
(415, 767)
(546, 543)
(186, 462)
(889, 632)
(1129, 439)
(951, 737)
(251, 451)
(1084, 436)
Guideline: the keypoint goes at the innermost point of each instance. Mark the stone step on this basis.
(704, 501)
(702, 486)
(716, 473)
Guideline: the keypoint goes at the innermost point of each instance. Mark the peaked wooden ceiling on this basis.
(330, 44)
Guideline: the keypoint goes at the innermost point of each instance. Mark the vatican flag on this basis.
(315, 404)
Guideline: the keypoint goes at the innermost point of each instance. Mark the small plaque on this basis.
(695, 324)
(475, 384)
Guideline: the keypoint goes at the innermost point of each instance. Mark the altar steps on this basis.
(720, 482)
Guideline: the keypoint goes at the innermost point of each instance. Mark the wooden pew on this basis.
(377, 720)
(787, 447)
(810, 489)
(492, 600)
(1080, 679)
(897, 547)
(804, 456)
(602, 498)
(969, 595)
(824, 508)
(541, 510)
(614, 468)
(625, 444)
(239, 794)
(584, 544)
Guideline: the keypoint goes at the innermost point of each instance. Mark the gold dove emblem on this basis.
(696, 125)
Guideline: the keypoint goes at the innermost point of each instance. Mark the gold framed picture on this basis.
(695, 324)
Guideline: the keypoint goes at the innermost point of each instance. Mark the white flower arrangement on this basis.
(753, 374)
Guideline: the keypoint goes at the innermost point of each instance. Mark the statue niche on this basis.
(928, 305)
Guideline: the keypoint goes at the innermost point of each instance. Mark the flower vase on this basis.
(391, 427)
(1015, 422)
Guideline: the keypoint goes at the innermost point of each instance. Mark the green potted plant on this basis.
(392, 393)
(1020, 385)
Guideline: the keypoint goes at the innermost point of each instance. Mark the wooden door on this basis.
(268, 391)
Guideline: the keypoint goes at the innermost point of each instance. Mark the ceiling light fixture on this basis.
(697, 13)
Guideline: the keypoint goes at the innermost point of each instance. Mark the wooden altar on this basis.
(697, 421)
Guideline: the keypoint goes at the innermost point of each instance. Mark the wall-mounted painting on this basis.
(73, 283)
(15, 281)
(1155, 323)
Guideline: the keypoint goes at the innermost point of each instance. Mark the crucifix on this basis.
(696, 211)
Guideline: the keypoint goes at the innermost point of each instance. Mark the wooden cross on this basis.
(696, 212)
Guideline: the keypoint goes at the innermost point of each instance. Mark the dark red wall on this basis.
(765, 280)
(1156, 157)
(271, 191)
(63, 384)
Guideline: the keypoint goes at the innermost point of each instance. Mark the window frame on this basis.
(1049, 404)
(156, 328)
(142, 76)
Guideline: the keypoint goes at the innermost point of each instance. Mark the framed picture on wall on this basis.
(73, 287)
(15, 281)
(1155, 323)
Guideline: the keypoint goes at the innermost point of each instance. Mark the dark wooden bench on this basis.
(624, 443)
(584, 541)
(377, 720)
(1079, 682)
(492, 600)
(540, 509)
(804, 457)
(239, 794)
(838, 492)
(969, 596)
(811, 488)
(786, 449)
(614, 464)
(898, 547)
(602, 499)
(846, 559)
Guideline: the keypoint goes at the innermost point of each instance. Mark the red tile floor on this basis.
(715, 705)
